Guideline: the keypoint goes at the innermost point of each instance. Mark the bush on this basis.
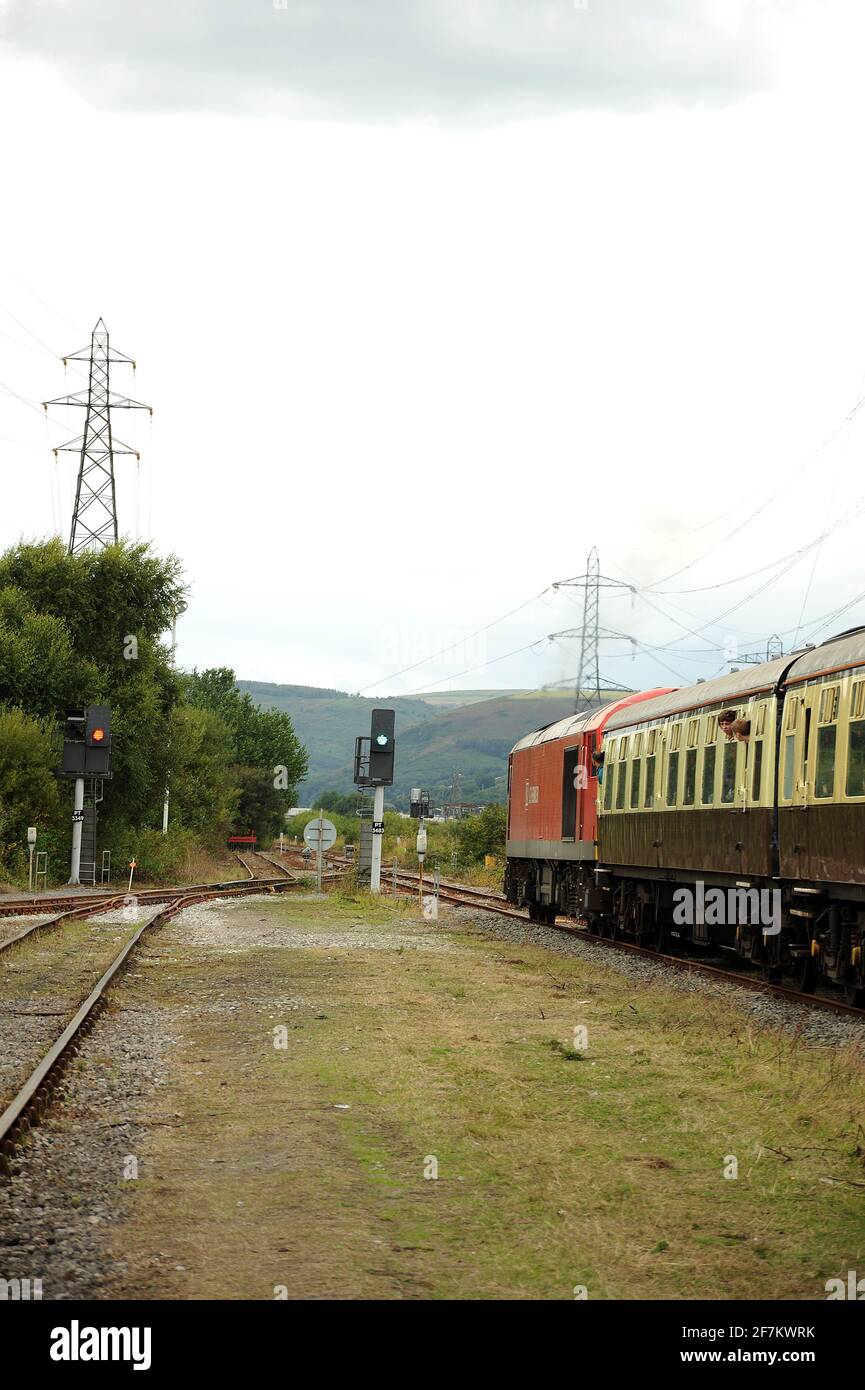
(159, 858)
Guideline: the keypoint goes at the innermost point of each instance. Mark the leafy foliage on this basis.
(86, 628)
(268, 759)
(483, 834)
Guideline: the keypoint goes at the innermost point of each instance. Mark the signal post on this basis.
(374, 768)
(86, 753)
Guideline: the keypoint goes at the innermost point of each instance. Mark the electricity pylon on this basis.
(94, 519)
(591, 633)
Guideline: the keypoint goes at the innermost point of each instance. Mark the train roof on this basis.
(581, 722)
(721, 690)
(562, 728)
(837, 654)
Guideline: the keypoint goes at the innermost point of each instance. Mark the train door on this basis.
(570, 799)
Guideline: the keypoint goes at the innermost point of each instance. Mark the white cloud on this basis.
(476, 60)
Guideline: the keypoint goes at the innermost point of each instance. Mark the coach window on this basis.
(690, 777)
(649, 793)
(609, 773)
(728, 773)
(636, 765)
(790, 718)
(672, 778)
(621, 773)
(824, 777)
(756, 769)
(824, 773)
(708, 791)
(856, 742)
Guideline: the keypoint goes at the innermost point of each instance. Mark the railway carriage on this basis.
(774, 812)
(684, 804)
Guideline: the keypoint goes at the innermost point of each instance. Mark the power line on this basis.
(434, 655)
(469, 669)
(793, 477)
(56, 312)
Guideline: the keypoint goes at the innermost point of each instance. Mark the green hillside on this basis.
(327, 722)
(469, 732)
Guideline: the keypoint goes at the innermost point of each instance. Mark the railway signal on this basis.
(418, 804)
(373, 767)
(86, 753)
(381, 747)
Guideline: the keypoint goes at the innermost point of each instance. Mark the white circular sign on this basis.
(328, 833)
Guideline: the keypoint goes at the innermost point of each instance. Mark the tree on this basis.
(260, 806)
(87, 629)
(483, 834)
(343, 803)
(28, 790)
(200, 779)
(263, 739)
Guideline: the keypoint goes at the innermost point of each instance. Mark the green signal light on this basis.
(381, 740)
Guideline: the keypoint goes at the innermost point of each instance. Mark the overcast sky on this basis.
(432, 296)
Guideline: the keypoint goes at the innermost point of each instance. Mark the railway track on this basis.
(87, 903)
(465, 895)
(36, 1093)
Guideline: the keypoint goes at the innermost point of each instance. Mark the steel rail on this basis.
(26, 1108)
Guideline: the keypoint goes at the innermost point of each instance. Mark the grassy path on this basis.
(412, 1049)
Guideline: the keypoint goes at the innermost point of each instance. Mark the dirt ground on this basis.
(361, 1104)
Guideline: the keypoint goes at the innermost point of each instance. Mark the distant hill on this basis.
(467, 732)
(327, 723)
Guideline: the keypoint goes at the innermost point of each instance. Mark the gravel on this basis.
(69, 1185)
(203, 925)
